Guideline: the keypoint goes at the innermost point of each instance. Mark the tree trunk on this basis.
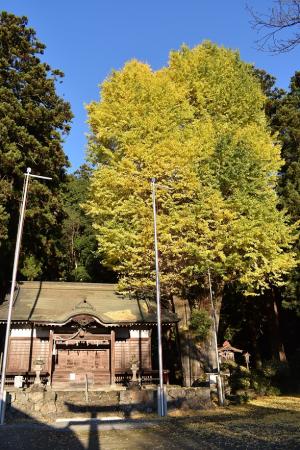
(255, 358)
(214, 309)
(191, 355)
(276, 343)
(217, 300)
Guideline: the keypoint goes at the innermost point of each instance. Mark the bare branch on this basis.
(276, 25)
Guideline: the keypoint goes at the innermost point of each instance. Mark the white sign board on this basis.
(18, 381)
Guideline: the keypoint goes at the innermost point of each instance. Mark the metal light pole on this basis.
(219, 381)
(161, 400)
(13, 285)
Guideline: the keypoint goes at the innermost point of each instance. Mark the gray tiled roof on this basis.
(56, 302)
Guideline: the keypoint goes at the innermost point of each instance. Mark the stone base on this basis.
(134, 386)
(47, 405)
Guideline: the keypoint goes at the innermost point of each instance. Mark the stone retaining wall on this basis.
(47, 405)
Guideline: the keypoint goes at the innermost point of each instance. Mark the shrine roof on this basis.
(51, 302)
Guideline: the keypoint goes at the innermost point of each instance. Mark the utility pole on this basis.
(219, 381)
(28, 175)
(161, 400)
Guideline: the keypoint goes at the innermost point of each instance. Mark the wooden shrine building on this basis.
(74, 332)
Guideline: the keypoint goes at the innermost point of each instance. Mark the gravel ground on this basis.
(267, 423)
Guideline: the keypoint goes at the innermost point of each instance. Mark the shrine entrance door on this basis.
(77, 364)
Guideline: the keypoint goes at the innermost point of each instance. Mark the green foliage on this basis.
(286, 120)
(81, 260)
(276, 370)
(80, 273)
(239, 382)
(32, 268)
(230, 332)
(198, 127)
(200, 324)
(283, 110)
(271, 379)
(33, 119)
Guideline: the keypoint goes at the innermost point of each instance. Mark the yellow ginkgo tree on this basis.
(198, 127)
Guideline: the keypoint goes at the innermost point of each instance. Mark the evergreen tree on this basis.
(286, 121)
(33, 119)
(268, 326)
(283, 111)
(81, 259)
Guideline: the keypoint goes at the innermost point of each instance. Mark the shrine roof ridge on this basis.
(57, 302)
(67, 285)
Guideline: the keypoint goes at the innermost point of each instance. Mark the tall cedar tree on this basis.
(33, 119)
(264, 327)
(198, 126)
(286, 121)
(283, 110)
(81, 259)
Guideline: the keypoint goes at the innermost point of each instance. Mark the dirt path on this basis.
(268, 423)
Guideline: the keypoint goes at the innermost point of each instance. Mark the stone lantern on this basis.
(134, 383)
(38, 366)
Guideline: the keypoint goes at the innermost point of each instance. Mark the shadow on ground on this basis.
(28, 433)
(262, 425)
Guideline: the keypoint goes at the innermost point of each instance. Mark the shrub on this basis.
(240, 378)
(265, 381)
(278, 372)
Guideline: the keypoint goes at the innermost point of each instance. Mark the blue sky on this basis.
(87, 39)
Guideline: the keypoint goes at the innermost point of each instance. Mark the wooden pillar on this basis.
(8, 354)
(50, 358)
(112, 357)
(150, 348)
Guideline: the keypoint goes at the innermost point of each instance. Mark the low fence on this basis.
(145, 377)
(122, 378)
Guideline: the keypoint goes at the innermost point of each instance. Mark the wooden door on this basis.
(95, 363)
